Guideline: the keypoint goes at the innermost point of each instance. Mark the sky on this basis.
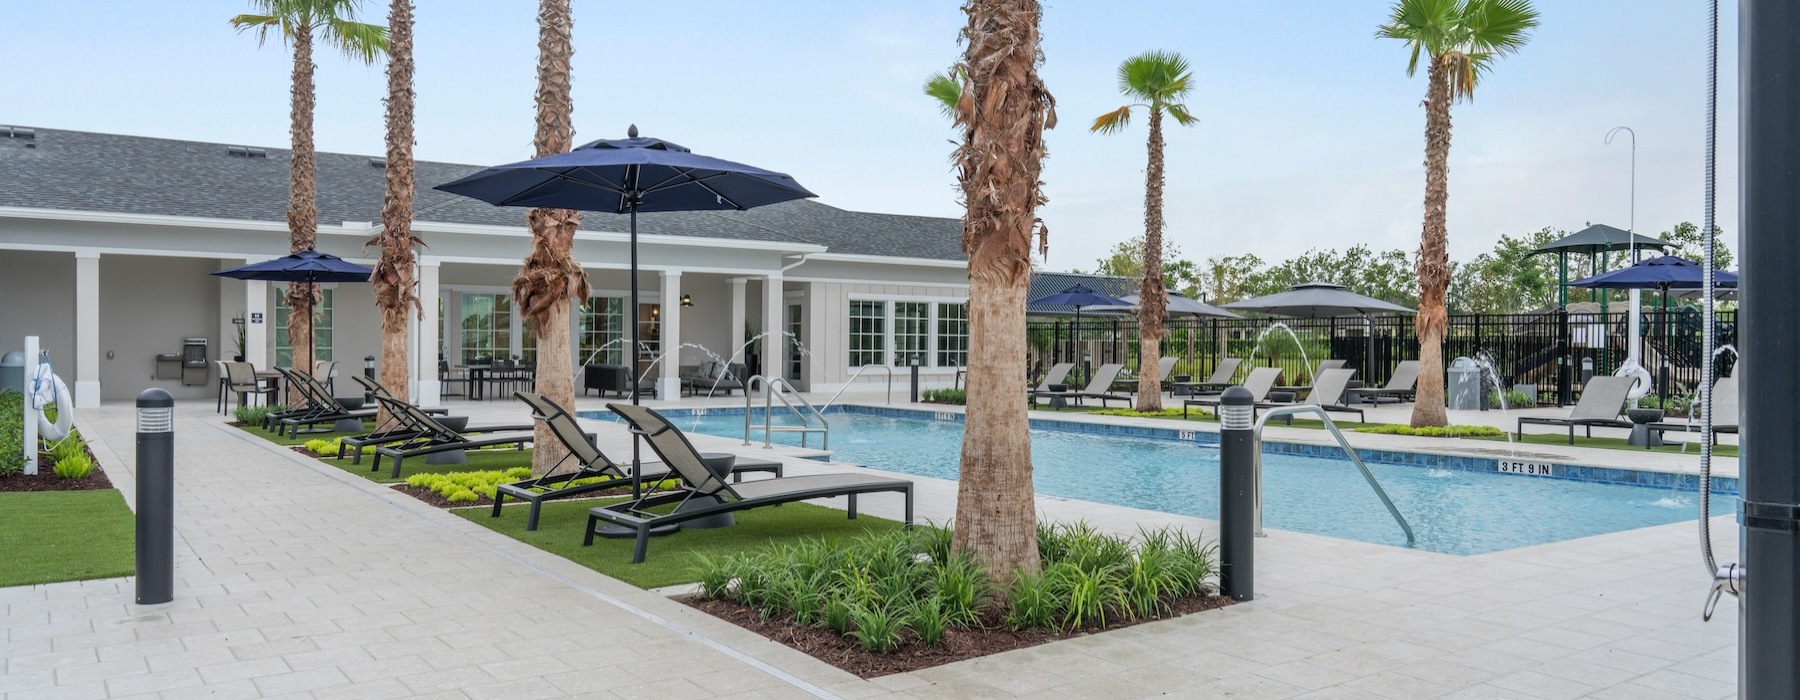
(1311, 134)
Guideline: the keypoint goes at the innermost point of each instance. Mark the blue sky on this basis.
(1311, 134)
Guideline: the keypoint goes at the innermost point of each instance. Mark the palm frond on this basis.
(946, 88)
(1182, 115)
(1429, 28)
(1155, 77)
(262, 24)
(1499, 26)
(1112, 122)
(364, 42)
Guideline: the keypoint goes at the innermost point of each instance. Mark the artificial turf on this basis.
(671, 558)
(498, 459)
(50, 536)
(1610, 443)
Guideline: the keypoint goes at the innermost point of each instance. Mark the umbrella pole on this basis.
(637, 463)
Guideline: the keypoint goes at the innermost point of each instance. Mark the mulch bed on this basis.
(959, 645)
(47, 480)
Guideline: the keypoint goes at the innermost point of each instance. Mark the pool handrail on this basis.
(1256, 442)
(772, 391)
(858, 373)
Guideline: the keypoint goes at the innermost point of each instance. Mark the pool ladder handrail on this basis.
(1348, 450)
(858, 373)
(772, 390)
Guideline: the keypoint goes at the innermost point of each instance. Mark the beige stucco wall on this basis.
(37, 297)
(147, 305)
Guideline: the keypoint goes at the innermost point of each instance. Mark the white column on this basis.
(87, 329)
(426, 390)
(734, 333)
(774, 343)
(668, 384)
(515, 346)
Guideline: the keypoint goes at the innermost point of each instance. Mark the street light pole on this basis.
(1635, 320)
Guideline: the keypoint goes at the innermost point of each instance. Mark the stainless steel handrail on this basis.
(858, 373)
(1348, 450)
(772, 391)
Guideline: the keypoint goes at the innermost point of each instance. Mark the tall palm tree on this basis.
(1157, 81)
(551, 279)
(1460, 40)
(1003, 113)
(393, 280)
(296, 22)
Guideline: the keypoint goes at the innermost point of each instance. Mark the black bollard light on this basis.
(914, 362)
(155, 497)
(369, 372)
(1237, 493)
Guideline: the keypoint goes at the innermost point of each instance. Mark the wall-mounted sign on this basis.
(256, 317)
(1505, 466)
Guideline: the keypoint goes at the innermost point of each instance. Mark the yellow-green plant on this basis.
(77, 466)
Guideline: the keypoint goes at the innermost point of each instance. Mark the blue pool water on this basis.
(1451, 510)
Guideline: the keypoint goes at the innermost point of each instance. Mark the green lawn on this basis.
(1610, 443)
(479, 460)
(51, 536)
(671, 559)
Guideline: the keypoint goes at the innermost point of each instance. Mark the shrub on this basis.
(12, 433)
(72, 445)
(1030, 604)
(878, 627)
(1134, 413)
(1514, 399)
(929, 621)
(78, 466)
(955, 396)
(1434, 431)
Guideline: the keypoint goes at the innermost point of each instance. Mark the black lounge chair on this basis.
(1400, 387)
(1099, 388)
(701, 484)
(1221, 378)
(1327, 393)
(1259, 382)
(590, 464)
(398, 427)
(320, 407)
(1601, 401)
(435, 437)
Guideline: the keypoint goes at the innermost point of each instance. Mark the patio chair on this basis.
(590, 463)
(240, 379)
(705, 493)
(397, 427)
(1221, 378)
(1601, 401)
(1327, 393)
(448, 377)
(1725, 411)
(1058, 374)
(437, 438)
(1099, 388)
(1164, 367)
(326, 372)
(1260, 381)
(1400, 387)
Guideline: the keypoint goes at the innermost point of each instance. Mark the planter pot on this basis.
(1644, 415)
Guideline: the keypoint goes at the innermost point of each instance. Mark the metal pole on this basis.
(1769, 159)
(29, 441)
(1635, 322)
(637, 456)
(1237, 493)
(155, 497)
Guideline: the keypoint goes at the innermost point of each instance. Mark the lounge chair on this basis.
(1327, 393)
(319, 407)
(1221, 378)
(1058, 374)
(1400, 387)
(1725, 411)
(436, 438)
(1601, 401)
(590, 463)
(1100, 388)
(398, 427)
(700, 485)
(1164, 367)
(1260, 381)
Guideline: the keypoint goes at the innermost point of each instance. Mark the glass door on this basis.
(794, 359)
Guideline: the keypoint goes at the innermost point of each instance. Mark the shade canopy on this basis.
(1078, 296)
(1600, 238)
(630, 174)
(1318, 300)
(1664, 273)
(1178, 305)
(308, 266)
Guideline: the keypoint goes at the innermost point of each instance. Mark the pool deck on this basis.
(296, 580)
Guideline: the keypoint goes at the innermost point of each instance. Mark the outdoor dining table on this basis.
(479, 377)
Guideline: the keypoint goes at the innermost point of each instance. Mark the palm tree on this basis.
(296, 22)
(393, 280)
(1157, 81)
(1460, 39)
(551, 279)
(1003, 114)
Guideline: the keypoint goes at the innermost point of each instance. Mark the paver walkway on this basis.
(296, 580)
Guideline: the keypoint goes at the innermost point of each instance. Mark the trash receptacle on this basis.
(1465, 385)
(12, 371)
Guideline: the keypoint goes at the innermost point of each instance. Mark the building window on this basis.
(953, 335)
(868, 332)
(912, 332)
(284, 350)
(602, 331)
(486, 328)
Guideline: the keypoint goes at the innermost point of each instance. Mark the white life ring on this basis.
(1643, 384)
(49, 389)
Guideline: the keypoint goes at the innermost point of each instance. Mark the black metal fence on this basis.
(1552, 352)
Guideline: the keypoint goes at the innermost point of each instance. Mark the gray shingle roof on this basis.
(89, 171)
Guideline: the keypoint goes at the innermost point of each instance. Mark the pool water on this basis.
(1452, 511)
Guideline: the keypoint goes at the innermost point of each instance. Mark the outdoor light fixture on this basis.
(1237, 417)
(686, 301)
(156, 414)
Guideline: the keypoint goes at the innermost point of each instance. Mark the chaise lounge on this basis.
(1601, 401)
(1260, 381)
(1100, 388)
(437, 438)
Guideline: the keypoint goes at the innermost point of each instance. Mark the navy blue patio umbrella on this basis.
(1078, 296)
(627, 176)
(1662, 274)
(307, 267)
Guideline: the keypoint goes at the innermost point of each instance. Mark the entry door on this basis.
(793, 351)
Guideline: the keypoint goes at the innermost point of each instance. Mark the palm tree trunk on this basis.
(303, 213)
(551, 278)
(1003, 114)
(1433, 263)
(1153, 302)
(393, 279)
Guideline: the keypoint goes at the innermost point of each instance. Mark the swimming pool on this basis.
(1453, 511)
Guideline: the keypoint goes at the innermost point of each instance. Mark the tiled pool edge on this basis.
(1569, 472)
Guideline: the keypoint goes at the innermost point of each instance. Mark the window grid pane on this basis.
(602, 326)
(953, 335)
(284, 349)
(912, 331)
(868, 332)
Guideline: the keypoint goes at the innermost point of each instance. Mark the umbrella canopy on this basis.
(1178, 306)
(1665, 273)
(1078, 296)
(1600, 238)
(305, 267)
(1318, 300)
